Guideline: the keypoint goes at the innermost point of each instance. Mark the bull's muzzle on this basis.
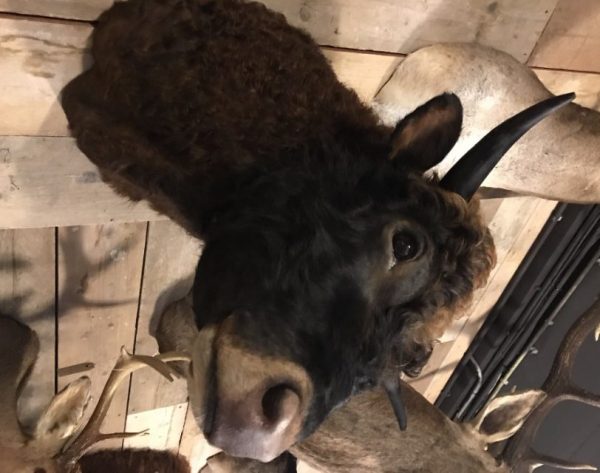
(248, 404)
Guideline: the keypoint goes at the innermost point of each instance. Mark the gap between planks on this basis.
(170, 262)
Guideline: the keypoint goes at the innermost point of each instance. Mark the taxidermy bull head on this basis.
(330, 262)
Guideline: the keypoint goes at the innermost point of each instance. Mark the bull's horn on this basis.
(469, 172)
(391, 384)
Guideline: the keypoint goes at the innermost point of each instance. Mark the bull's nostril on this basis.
(280, 404)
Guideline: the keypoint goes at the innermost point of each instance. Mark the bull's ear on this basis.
(424, 137)
(505, 415)
(63, 416)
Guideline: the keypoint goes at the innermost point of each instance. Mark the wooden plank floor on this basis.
(97, 281)
(99, 277)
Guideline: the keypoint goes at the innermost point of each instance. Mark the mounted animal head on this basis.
(363, 436)
(59, 439)
(330, 261)
(556, 160)
(312, 301)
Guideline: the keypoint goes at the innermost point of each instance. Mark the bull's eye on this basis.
(406, 246)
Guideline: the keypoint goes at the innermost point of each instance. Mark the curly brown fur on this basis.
(134, 461)
(233, 123)
(149, 92)
(467, 260)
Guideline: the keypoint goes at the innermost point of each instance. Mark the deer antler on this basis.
(126, 364)
(558, 387)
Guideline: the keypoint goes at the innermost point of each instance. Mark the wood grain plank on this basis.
(571, 39)
(488, 209)
(99, 284)
(378, 25)
(401, 26)
(70, 9)
(27, 290)
(48, 182)
(193, 445)
(515, 227)
(164, 425)
(171, 258)
(585, 85)
(37, 58)
(363, 72)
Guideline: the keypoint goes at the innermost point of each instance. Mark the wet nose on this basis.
(260, 401)
(278, 407)
(259, 426)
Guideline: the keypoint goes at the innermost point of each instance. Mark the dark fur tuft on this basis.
(134, 461)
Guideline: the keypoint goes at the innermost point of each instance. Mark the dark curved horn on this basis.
(392, 388)
(469, 172)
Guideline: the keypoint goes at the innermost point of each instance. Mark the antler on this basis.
(558, 387)
(126, 364)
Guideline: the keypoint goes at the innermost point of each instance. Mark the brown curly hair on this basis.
(466, 260)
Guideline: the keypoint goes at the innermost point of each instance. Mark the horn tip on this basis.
(568, 97)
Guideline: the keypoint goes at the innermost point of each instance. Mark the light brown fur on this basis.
(558, 159)
(364, 436)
